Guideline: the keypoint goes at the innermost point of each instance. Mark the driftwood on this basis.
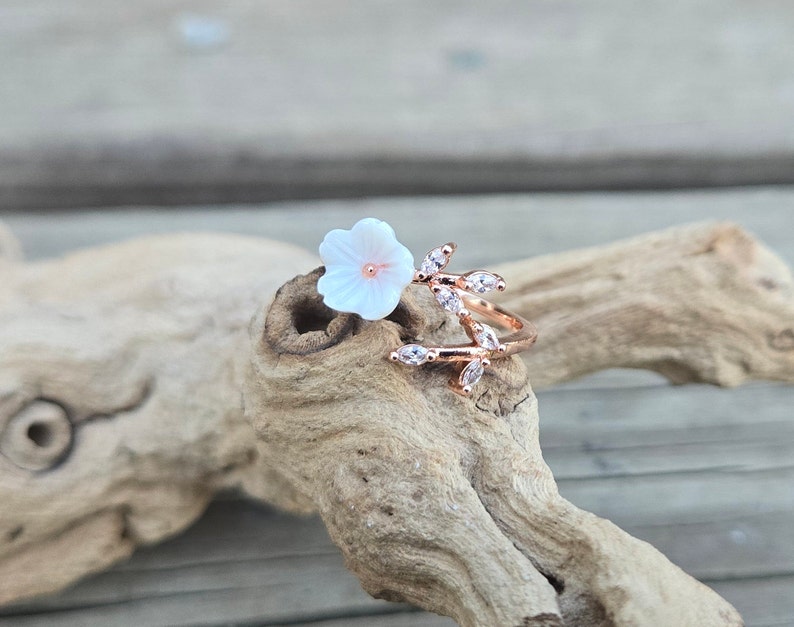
(120, 408)
(121, 414)
(704, 304)
(440, 501)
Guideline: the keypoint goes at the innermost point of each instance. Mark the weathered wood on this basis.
(618, 283)
(752, 543)
(93, 286)
(442, 501)
(104, 103)
(713, 307)
(109, 440)
(250, 563)
(488, 229)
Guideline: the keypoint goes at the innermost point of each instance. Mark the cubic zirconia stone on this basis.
(485, 336)
(480, 282)
(435, 261)
(449, 299)
(412, 354)
(472, 373)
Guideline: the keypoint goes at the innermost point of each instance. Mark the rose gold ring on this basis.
(459, 294)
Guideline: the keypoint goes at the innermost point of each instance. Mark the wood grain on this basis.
(179, 102)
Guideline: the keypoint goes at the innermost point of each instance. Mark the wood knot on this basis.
(39, 437)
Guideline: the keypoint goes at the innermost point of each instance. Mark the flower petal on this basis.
(400, 268)
(378, 300)
(337, 278)
(338, 248)
(373, 239)
(341, 291)
(356, 301)
(390, 297)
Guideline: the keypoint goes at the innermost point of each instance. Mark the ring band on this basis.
(522, 339)
(459, 294)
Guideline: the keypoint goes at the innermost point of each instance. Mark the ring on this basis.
(366, 271)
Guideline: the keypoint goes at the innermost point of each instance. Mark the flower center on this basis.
(370, 270)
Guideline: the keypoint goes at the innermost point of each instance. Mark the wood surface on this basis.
(446, 502)
(729, 515)
(488, 229)
(112, 102)
(253, 564)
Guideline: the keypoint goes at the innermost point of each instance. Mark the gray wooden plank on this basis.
(765, 602)
(261, 605)
(107, 102)
(699, 547)
(488, 229)
(406, 619)
(752, 546)
(626, 419)
(241, 563)
(679, 455)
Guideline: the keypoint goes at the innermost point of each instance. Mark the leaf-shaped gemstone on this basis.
(481, 282)
(435, 261)
(485, 336)
(412, 354)
(449, 299)
(472, 373)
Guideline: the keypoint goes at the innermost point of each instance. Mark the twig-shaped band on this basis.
(459, 294)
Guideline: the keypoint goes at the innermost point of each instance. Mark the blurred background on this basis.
(544, 125)
(176, 102)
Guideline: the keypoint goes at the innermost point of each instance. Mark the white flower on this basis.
(366, 269)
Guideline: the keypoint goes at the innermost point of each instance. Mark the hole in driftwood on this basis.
(310, 316)
(299, 323)
(40, 434)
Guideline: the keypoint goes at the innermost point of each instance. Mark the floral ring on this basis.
(366, 271)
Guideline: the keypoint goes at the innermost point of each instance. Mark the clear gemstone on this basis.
(449, 299)
(435, 261)
(485, 336)
(480, 282)
(472, 373)
(412, 354)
